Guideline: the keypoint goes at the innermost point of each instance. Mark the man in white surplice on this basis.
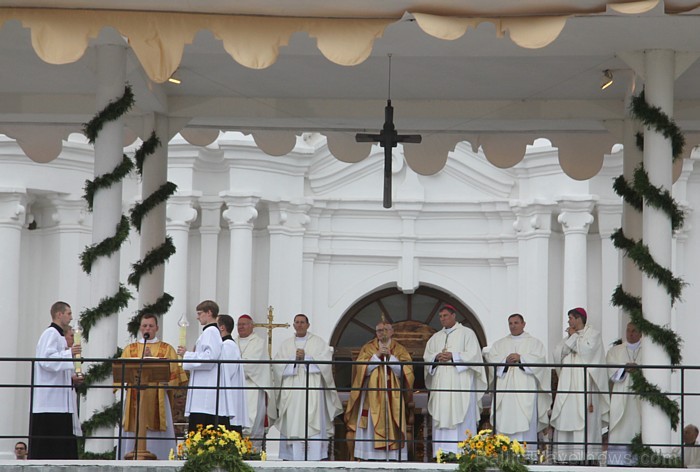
(574, 414)
(456, 390)
(625, 409)
(292, 396)
(260, 399)
(523, 414)
(232, 377)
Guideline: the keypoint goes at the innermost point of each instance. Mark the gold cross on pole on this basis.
(269, 326)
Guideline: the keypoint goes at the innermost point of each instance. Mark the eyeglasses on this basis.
(21, 448)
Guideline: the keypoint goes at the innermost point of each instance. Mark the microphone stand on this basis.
(146, 336)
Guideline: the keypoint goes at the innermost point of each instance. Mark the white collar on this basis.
(149, 341)
(634, 346)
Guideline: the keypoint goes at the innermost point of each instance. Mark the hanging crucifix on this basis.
(388, 138)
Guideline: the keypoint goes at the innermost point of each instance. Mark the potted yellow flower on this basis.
(487, 450)
(215, 448)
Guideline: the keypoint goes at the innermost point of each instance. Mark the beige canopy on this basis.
(496, 73)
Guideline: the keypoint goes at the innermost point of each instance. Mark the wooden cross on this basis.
(388, 138)
(270, 326)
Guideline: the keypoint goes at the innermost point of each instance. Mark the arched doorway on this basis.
(415, 318)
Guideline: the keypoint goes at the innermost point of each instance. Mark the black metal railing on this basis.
(409, 440)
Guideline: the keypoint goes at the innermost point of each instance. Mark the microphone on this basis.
(146, 336)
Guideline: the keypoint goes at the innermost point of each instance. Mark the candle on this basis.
(183, 324)
(77, 340)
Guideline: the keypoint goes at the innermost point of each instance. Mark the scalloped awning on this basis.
(253, 33)
(61, 36)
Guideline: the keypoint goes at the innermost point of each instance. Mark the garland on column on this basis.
(109, 305)
(158, 255)
(641, 190)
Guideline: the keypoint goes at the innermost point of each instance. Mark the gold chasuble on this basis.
(155, 398)
(375, 401)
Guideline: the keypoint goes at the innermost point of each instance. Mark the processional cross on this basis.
(388, 138)
(270, 326)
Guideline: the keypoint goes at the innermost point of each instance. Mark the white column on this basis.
(533, 230)
(287, 227)
(180, 214)
(240, 215)
(155, 174)
(575, 218)
(609, 218)
(107, 213)
(409, 265)
(69, 232)
(209, 229)
(660, 69)
(12, 217)
(631, 217)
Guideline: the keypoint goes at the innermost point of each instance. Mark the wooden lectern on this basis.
(153, 370)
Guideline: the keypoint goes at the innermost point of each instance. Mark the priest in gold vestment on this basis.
(378, 415)
(160, 434)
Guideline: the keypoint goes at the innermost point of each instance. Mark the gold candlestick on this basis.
(77, 341)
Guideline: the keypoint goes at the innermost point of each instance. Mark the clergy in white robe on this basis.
(51, 433)
(260, 398)
(205, 406)
(233, 377)
(522, 392)
(625, 407)
(577, 418)
(305, 414)
(455, 390)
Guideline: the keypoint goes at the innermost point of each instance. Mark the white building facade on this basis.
(306, 233)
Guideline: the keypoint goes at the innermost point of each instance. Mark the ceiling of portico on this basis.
(479, 87)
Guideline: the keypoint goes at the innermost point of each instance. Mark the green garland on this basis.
(664, 337)
(658, 198)
(655, 396)
(106, 247)
(628, 193)
(113, 111)
(107, 180)
(164, 192)
(639, 253)
(159, 308)
(148, 147)
(156, 256)
(153, 258)
(646, 457)
(97, 373)
(654, 117)
(635, 195)
(106, 418)
(109, 305)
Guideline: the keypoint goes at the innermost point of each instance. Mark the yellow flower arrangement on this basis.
(487, 450)
(209, 447)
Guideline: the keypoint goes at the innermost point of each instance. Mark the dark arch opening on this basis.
(414, 317)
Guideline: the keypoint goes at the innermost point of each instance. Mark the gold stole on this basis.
(154, 398)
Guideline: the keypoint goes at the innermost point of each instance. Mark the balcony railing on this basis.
(416, 440)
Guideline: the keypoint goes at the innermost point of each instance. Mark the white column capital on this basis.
(240, 210)
(575, 214)
(13, 207)
(533, 218)
(609, 218)
(180, 210)
(210, 210)
(68, 212)
(290, 216)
